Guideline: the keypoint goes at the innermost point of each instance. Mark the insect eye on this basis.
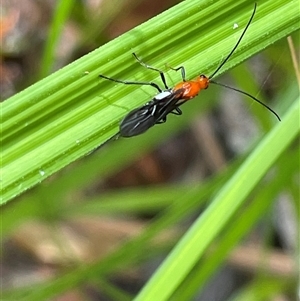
(202, 76)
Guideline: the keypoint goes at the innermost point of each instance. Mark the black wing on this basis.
(170, 105)
(141, 119)
(137, 121)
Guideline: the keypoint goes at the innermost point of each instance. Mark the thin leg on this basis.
(163, 120)
(125, 82)
(162, 76)
(177, 111)
(182, 70)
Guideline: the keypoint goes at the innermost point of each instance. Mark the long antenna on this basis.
(236, 45)
(247, 94)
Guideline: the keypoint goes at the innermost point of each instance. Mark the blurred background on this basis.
(78, 217)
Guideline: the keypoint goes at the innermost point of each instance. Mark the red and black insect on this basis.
(168, 100)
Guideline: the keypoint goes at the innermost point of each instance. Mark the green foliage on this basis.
(71, 112)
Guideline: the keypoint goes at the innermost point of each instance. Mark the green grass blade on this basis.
(241, 224)
(188, 251)
(266, 289)
(60, 16)
(66, 115)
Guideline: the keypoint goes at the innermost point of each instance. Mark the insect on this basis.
(168, 100)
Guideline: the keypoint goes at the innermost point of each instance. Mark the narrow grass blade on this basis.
(188, 251)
